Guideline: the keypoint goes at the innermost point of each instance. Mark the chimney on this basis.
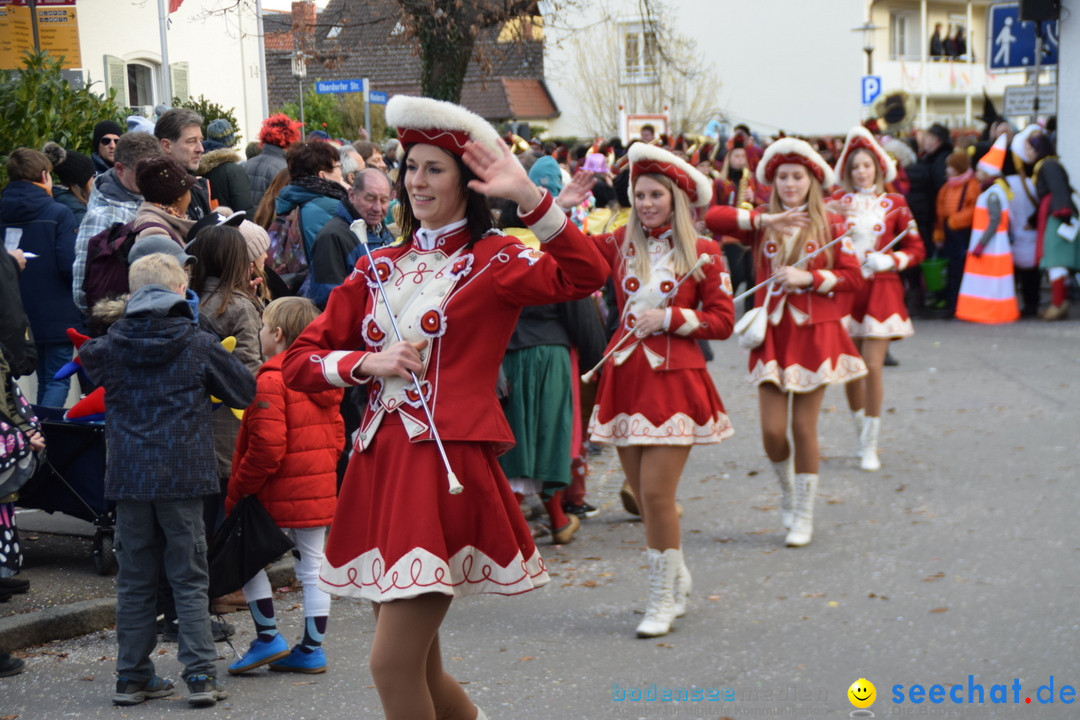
(304, 17)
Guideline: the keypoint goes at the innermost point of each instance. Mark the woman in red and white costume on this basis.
(805, 346)
(455, 287)
(655, 399)
(876, 314)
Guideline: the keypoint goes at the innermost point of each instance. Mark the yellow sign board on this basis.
(57, 28)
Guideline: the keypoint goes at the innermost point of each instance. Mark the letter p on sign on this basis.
(871, 88)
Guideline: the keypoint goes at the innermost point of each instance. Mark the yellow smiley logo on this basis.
(862, 693)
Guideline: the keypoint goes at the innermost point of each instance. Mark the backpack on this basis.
(287, 255)
(107, 259)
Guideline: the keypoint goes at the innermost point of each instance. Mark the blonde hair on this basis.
(879, 179)
(683, 236)
(818, 230)
(290, 315)
(157, 269)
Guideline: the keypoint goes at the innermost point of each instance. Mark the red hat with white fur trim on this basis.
(860, 139)
(792, 150)
(439, 123)
(648, 159)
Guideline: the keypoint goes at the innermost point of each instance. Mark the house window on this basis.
(334, 32)
(640, 54)
(905, 39)
(142, 85)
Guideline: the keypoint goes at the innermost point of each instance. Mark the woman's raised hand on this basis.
(500, 175)
(577, 190)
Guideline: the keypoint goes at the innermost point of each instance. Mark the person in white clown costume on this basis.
(655, 399)
(876, 314)
(403, 536)
(805, 347)
(988, 290)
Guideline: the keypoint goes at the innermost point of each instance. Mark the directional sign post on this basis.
(326, 87)
(1012, 41)
(871, 88)
(377, 98)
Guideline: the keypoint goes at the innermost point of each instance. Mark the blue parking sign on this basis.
(1012, 41)
(871, 88)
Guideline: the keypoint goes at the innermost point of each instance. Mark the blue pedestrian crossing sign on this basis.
(871, 88)
(1012, 42)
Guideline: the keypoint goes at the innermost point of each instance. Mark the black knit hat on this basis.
(103, 128)
(74, 169)
(162, 180)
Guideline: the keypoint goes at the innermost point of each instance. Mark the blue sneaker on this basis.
(260, 653)
(302, 662)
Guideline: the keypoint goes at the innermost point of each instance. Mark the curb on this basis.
(86, 616)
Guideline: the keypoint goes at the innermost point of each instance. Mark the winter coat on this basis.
(63, 195)
(151, 213)
(337, 249)
(47, 230)
(159, 371)
(101, 165)
(287, 451)
(262, 169)
(955, 207)
(229, 184)
(316, 210)
(16, 338)
(926, 177)
(242, 320)
(110, 202)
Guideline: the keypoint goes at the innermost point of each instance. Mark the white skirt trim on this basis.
(679, 429)
(468, 572)
(796, 378)
(893, 327)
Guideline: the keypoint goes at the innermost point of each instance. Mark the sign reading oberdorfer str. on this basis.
(326, 87)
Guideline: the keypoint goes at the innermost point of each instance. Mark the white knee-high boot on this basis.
(684, 583)
(858, 417)
(480, 714)
(785, 473)
(661, 608)
(870, 429)
(802, 529)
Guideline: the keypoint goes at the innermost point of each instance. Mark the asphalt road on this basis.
(953, 566)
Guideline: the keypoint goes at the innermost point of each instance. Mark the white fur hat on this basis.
(859, 138)
(435, 122)
(649, 159)
(793, 150)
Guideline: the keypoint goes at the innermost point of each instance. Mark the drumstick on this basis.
(587, 377)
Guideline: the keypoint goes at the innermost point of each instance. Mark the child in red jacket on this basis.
(286, 454)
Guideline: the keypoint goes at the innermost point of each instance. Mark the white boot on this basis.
(480, 714)
(859, 418)
(684, 583)
(869, 442)
(785, 473)
(661, 609)
(803, 527)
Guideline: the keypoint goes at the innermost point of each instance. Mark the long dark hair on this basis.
(478, 217)
(222, 254)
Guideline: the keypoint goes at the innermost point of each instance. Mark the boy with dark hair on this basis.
(159, 371)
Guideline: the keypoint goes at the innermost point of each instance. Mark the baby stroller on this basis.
(72, 481)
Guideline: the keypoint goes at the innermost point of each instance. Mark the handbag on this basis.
(246, 542)
(751, 328)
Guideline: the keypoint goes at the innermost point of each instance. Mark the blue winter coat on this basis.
(159, 371)
(47, 230)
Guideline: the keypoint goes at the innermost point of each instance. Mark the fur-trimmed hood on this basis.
(217, 158)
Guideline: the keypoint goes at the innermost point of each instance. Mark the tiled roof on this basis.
(363, 38)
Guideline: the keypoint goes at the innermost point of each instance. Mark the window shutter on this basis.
(179, 74)
(116, 77)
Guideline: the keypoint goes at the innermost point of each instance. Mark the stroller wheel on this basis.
(104, 554)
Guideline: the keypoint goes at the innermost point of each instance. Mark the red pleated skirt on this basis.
(399, 533)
